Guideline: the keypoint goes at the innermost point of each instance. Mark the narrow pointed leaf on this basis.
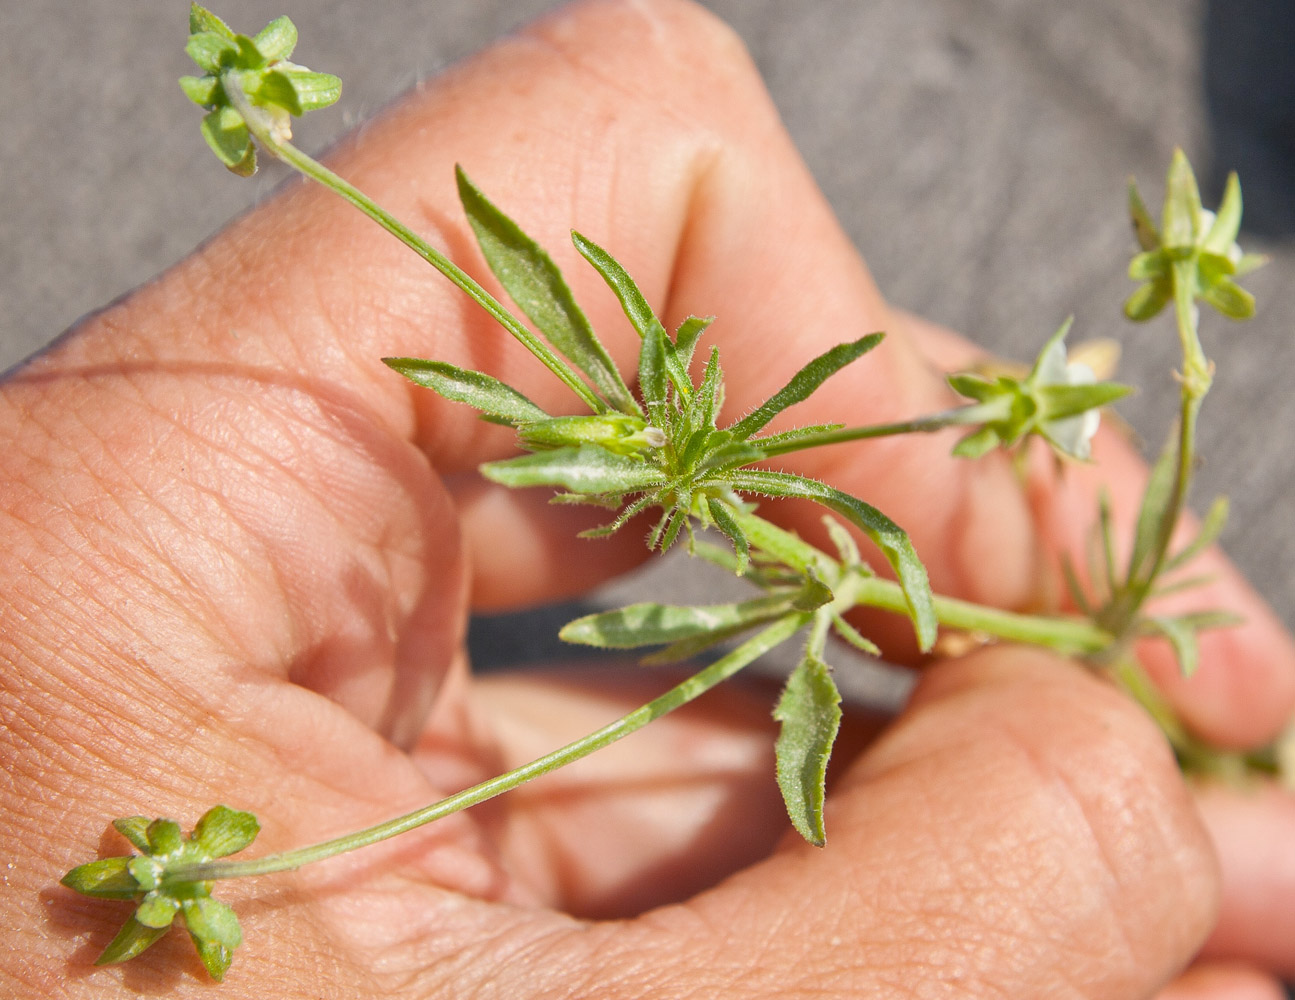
(810, 713)
(1216, 518)
(804, 383)
(649, 624)
(889, 537)
(653, 378)
(222, 831)
(477, 389)
(107, 878)
(277, 39)
(1155, 508)
(636, 308)
(842, 541)
(587, 469)
(723, 519)
(854, 637)
(1182, 638)
(130, 941)
(686, 337)
(536, 284)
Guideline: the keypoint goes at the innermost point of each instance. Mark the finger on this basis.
(1021, 831)
(1253, 830)
(1224, 981)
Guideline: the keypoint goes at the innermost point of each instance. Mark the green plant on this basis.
(660, 449)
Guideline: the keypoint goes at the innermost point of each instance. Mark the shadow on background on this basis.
(1249, 79)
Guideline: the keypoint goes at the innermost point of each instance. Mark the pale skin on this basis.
(239, 554)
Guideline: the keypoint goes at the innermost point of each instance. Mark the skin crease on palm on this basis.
(239, 553)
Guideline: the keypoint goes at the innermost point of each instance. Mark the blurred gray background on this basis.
(976, 150)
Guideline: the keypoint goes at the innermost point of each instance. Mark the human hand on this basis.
(222, 507)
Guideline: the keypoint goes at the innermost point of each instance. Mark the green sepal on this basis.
(277, 39)
(1181, 217)
(157, 910)
(972, 386)
(977, 443)
(477, 389)
(1063, 401)
(201, 19)
(1143, 227)
(212, 52)
(889, 537)
(134, 829)
(650, 624)
(165, 838)
(1230, 299)
(202, 90)
(274, 89)
(222, 831)
(1227, 223)
(146, 871)
(804, 383)
(1149, 264)
(587, 469)
(132, 940)
(227, 135)
(536, 284)
(215, 931)
(107, 878)
(313, 90)
(1147, 301)
(810, 713)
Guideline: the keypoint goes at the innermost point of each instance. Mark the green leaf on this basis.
(587, 469)
(211, 51)
(785, 441)
(653, 379)
(313, 90)
(214, 928)
(222, 831)
(536, 284)
(1215, 520)
(202, 90)
(723, 518)
(476, 389)
(703, 408)
(227, 135)
(277, 39)
(889, 537)
(730, 455)
(810, 713)
(854, 637)
(1143, 226)
(157, 910)
(804, 383)
(134, 829)
(107, 878)
(201, 19)
(130, 941)
(1156, 501)
(1183, 640)
(649, 624)
(843, 542)
(686, 337)
(636, 308)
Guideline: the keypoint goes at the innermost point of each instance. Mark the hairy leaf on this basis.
(477, 389)
(587, 469)
(810, 713)
(536, 284)
(649, 624)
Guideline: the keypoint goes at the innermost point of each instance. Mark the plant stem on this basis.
(976, 413)
(316, 171)
(1068, 636)
(681, 694)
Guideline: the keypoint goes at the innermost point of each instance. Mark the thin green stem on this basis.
(1068, 636)
(681, 694)
(316, 171)
(977, 413)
